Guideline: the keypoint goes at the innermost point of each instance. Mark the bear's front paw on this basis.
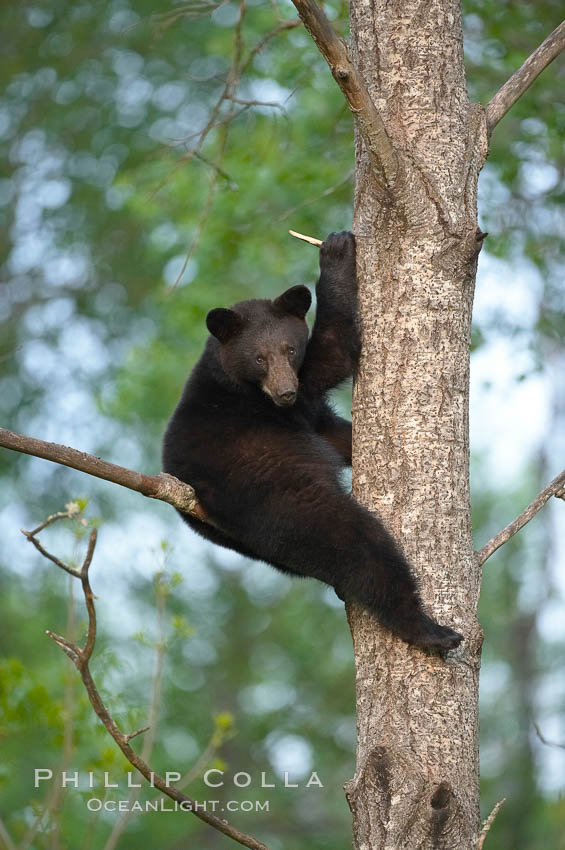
(339, 248)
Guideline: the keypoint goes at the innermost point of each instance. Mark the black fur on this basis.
(256, 438)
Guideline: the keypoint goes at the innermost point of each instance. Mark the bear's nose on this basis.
(287, 397)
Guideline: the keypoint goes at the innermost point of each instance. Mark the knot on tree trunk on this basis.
(440, 805)
(393, 798)
(385, 795)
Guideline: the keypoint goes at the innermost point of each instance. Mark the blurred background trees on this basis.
(152, 164)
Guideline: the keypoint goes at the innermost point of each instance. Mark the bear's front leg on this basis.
(336, 289)
(333, 352)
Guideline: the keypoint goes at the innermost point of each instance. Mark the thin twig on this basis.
(379, 146)
(217, 168)
(523, 78)
(46, 554)
(552, 489)
(310, 239)
(137, 732)
(80, 658)
(228, 94)
(212, 186)
(72, 511)
(544, 740)
(196, 770)
(228, 90)
(283, 26)
(329, 191)
(489, 822)
(271, 104)
(189, 10)
(89, 599)
(5, 837)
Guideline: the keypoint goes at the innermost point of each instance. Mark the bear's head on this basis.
(263, 342)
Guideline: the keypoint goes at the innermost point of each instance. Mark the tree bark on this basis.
(416, 781)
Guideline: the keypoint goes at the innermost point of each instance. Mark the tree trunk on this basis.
(416, 782)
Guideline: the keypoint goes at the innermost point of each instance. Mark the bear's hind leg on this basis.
(318, 531)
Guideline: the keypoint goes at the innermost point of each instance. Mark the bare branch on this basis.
(489, 822)
(80, 658)
(227, 96)
(544, 740)
(88, 648)
(371, 125)
(228, 90)
(157, 780)
(89, 553)
(271, 104)
(523, 78)
(164, 487)
(72, 511)
(283, 26)
(188, 10)
(310, 239)
(46, 554)
(554, 488)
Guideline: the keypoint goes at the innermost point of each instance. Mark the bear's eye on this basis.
(260, 360)
(291, 350)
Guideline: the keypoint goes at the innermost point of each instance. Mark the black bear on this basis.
(255, 436)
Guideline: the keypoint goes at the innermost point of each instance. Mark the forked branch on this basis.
(554, 488)
(523, 78)
(371, 126)
(80, 656)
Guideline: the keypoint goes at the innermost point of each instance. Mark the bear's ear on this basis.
(295, 301)
(223, 324)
